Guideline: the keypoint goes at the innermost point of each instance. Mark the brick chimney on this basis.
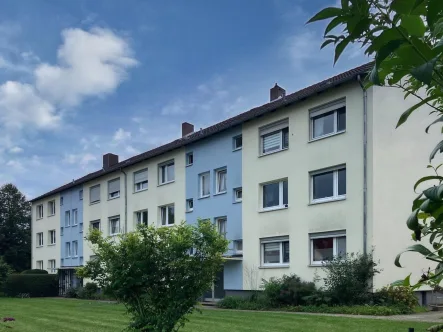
(277, 92)
(109, 160)
(187, 128)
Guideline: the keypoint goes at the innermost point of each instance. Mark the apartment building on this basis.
(323, 170)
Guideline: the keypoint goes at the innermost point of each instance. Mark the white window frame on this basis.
(74, 248)
(218, 221)
(51, 208)
(314, 236)
(217, 173)
(68, 249)
(330, 107)
(67, 220)
(141, 185)
(235, 243)
(110, 220)
(52, 237)
(335, 196)
(94, 222)
(236, 198)
(235, 147)
(40, 213)
(114, 194)
(52, 266)
(39, 265)
(139, 217)
(40, 240)
(281, 241)
(163, 168)
(189, 205)
(281, 205)
(200, 184)
(189, 155)
(273, 128)
(80, 194)
(165, 208)
(74, 217)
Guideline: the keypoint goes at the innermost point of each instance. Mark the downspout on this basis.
(126, 201)
(365, 164)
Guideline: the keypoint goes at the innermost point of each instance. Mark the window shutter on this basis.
(95, 194)
(114, 185)
(271, 142)
(141, 176)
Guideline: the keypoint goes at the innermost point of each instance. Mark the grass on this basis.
(60, 315)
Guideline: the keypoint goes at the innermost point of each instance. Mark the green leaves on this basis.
(435, 9)
(438, 147)
(409, 111)
(412, 221)
(424, 72)
(340, 48)
(419, 248)
(325, 14)
(414, 25)
(427, 178)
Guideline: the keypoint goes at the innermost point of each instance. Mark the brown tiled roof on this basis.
(223, 125)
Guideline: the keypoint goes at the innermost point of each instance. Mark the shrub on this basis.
(397, 296)
(5, 271)
(35, 271)
(288, 290)
(348, 279)
(72, 292)
(258, 302)
(88, 292)
(372, 310)
(36, 285)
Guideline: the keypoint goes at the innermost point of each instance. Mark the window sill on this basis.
(189, 211)
(114, 234)
(51, 215)
(328, 200)
(203, 197)
(74, 225)
(236, 202)
(139, 191)
(272, 152)
(92, 203)
(111, 198)
(315, 265)
(220, 193)
(39, 218)
(66, 226)
(273, 209)
(238, 149)
(39, 246)
(170, 225)
(280, 266)
(189, 165)
(165, 183)
(326, 136)
(51, 245)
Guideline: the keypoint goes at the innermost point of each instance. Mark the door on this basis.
(217, 290)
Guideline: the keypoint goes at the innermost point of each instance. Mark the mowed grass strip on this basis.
(60, 315)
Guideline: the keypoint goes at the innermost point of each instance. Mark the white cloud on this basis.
(121, 135)
(8, 65)
(131, 150)
(91, 63)
(176, 107)
(16, 149)
(16, 165)
(82, 159)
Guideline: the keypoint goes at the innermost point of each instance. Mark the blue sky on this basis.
(82, 78)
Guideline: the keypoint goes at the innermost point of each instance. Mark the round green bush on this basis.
(396, 296)
(36, 285)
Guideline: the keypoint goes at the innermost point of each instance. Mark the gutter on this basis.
(365, 164)
(126, 201)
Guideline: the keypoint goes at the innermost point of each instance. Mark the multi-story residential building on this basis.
(323, 169)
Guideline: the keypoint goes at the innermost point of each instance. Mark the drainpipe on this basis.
(126, 201)
(365, 164)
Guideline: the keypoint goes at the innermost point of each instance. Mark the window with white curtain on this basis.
(274, 137)
(328, 119)
(40, 239)
(220, 181)
(204, 185)
(51, 266)
(52, 237)
(167, 215)
(141, 217)
(40, 211)
(221, 225)
(51, 208)
(114, 225)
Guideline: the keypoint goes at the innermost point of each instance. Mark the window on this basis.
(189, 158)
(39, 239)
(274, 137)
(51, 208)
(74, 248)
(238, 246)
(141, 217)
(166, 172)
(328, 120)
(114, 188)
(275, 195)
(237, 142)
(328, 185)
(114, 225)
(189, 205)
(204, 185)
(220, 181)
(68, 249)
(40, 211)
(75, 217)
(39, 265)
(141, 180)
(51, 235)
(61, 231)
(51, 266)
(94, 194)
(80, 228)
(95, 224)
(325, 246)
(80, 195)
(238, 195)
(167, 215)
(67, 218)
(221, 225)
(275, 251)
(61, 200)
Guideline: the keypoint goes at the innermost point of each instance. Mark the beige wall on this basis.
(47, 223)
(150, 199)
(302, 157)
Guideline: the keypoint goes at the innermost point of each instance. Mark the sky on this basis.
(79, 79)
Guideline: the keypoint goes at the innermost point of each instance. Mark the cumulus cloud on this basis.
(16, 149)
(82, 159)
(121, 135)
(16, 165)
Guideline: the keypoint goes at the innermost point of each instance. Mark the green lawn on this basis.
(47, 315)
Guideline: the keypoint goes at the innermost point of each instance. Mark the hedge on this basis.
(35, 271)
(36, 285)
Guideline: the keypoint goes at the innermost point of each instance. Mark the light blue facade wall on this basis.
(209, 155)
(71, 201)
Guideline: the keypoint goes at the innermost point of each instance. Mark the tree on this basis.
(15, 228)
(158, 273)
(5, 270)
